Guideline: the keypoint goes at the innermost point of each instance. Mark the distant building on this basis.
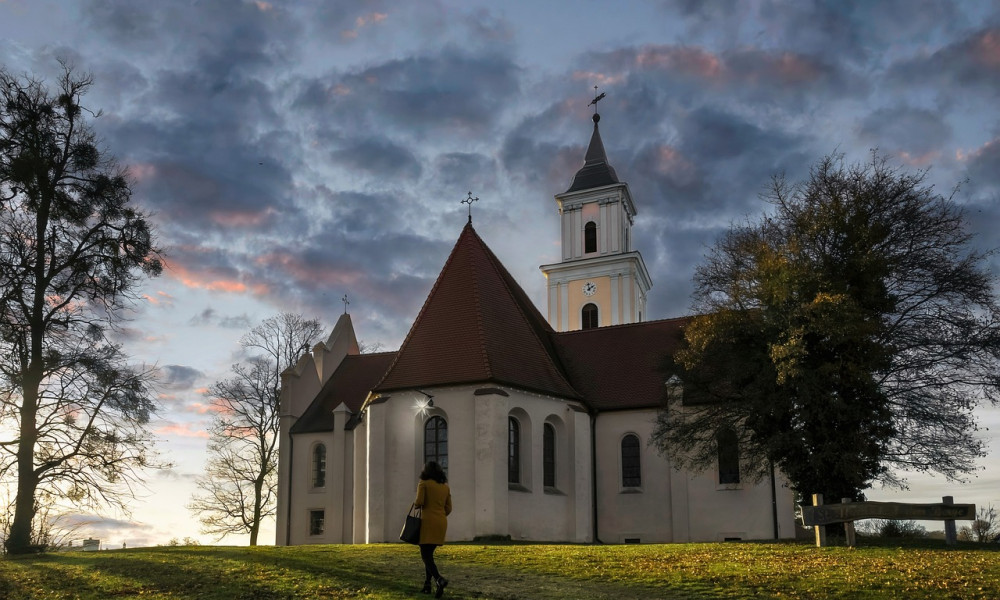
(91, 545)
(542, 424)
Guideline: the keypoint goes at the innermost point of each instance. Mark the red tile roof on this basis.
(624, 366)
(350, 383)
(477, 325)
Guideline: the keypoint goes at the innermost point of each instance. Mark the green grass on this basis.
(700, 571)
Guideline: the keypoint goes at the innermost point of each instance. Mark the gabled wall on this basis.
(300, 384)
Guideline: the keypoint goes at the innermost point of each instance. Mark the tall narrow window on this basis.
(631, 471)
(513, 450)
(549, 455)
(436, 441)
(590, 237)
(588, 316)
(729, 456)
(319, 466)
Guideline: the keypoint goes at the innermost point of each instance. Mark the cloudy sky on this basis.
(294, 152)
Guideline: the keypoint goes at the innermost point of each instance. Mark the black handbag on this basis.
(411, 528)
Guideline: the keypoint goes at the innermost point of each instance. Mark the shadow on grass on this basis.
(226, 573)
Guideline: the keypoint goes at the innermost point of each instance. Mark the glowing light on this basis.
(424, 405)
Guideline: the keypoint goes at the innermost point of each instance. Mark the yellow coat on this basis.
(434, 499)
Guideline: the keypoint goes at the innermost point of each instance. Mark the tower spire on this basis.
(596, 171)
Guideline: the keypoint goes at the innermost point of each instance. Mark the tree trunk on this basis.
(257, 501)
(19, 537)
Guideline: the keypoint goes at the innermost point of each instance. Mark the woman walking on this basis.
(434, 500)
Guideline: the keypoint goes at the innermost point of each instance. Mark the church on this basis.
(542, 423)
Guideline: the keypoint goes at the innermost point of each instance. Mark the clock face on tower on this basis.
(589, 288)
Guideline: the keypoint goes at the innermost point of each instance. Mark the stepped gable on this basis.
(348, 385)
(477, 325)
(623, 366)
(596, 171)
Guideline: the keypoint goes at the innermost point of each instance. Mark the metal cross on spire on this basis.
(597, 99)
(346, 302)
(469, 201)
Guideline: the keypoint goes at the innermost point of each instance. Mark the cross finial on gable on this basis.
(469, 201)
(346, 302)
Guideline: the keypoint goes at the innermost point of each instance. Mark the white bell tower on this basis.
(601, 281)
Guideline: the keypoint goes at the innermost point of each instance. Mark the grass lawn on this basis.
(732, 570)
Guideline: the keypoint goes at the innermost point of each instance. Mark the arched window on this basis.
(590, 237)
(729, 456)
(319, 466)
(631, 471)
(513, 450)
(549, 455)
(436, 441)
(588, 316)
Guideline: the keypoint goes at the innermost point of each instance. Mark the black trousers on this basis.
(427, 554)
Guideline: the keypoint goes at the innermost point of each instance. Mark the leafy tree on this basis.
(239, 486)
(848, 334)
(72, 251)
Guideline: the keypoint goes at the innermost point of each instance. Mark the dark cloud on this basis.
(915, 131)
(452, 91)
(984, 167)
(857, 30)
(972, 62)
(178, 377)
(457, 170)
(378, 157)
(210, 316)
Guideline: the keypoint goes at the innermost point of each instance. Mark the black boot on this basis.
(440, 588)
(427, 587)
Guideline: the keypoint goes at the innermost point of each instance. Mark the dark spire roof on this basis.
(596, 171)
(477, 325)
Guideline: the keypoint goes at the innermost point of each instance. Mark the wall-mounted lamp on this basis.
(430, 399)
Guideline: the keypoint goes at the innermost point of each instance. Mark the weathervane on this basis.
(346, 302)
(469, 201)
(597, 99)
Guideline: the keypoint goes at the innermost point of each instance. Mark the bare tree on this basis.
(237, 490)
(72, 252)
(985, 529)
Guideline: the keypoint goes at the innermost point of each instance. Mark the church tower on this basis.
(601, 281)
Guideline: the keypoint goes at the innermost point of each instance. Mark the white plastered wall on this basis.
(678, 506)
(484, 504)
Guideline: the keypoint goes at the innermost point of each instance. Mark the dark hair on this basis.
(432, 470)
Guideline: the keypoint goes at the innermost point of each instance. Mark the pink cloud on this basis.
(181, 430)
(920, 160)
(161, 298)
(793, 68)
(990, 146)
(689, 60)
(208, 281)
(671, 162)
(235, 218)
(142, 171)
(201, 408)
(986, 49)
(293, 265)
(362, 22)
(600, 79)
